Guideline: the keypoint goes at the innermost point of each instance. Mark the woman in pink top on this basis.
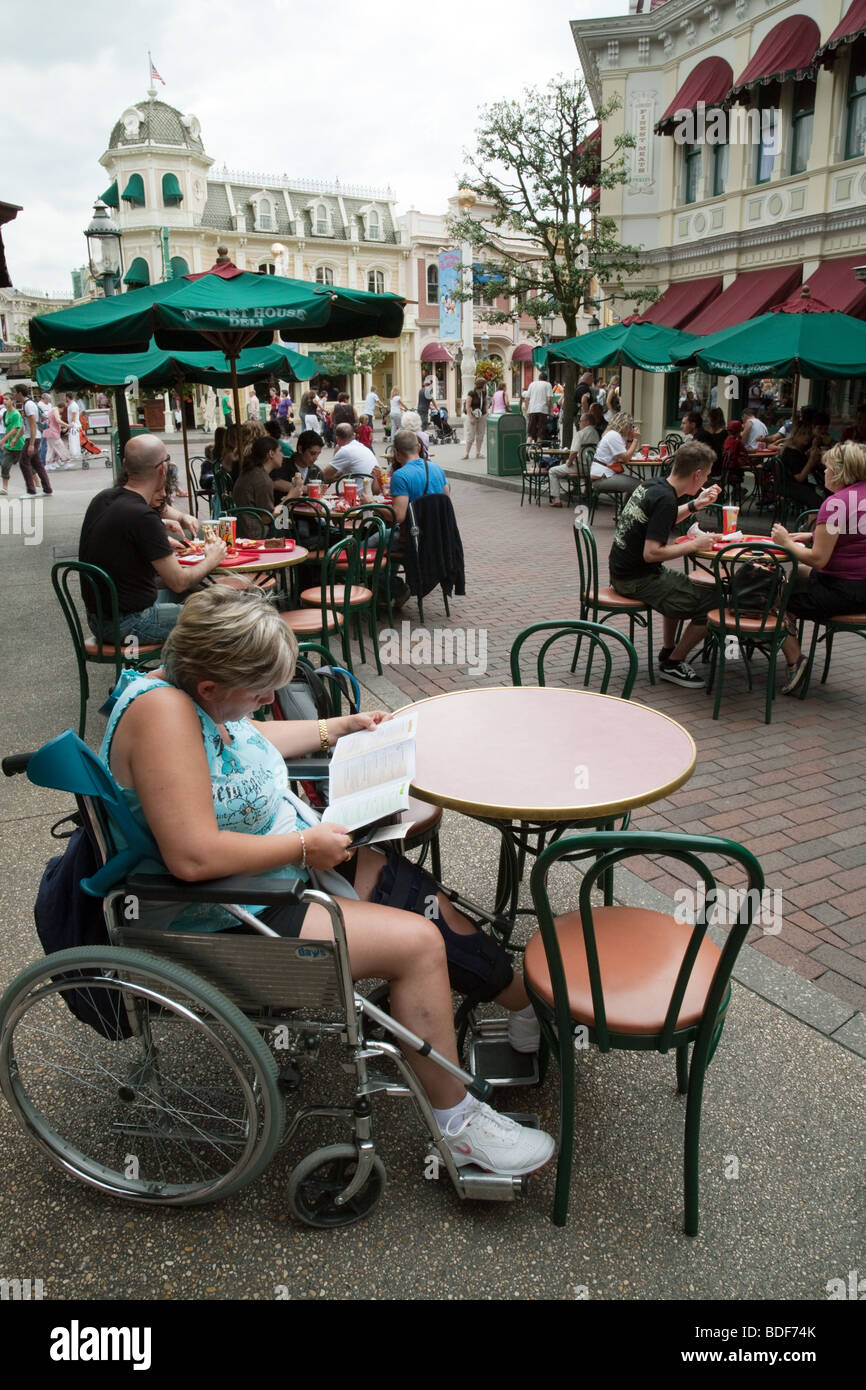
(500, 402)
(56, 452)
(835, 581)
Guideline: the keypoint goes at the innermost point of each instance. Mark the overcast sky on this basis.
(380, 93)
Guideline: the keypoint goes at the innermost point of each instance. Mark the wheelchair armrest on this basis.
(311, 767)
(264, 889)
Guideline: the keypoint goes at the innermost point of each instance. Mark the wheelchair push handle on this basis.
(15, 763)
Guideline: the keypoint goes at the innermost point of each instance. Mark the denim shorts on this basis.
(151, 624)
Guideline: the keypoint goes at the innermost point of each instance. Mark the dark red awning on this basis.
(594, 197)
(522, 353)
(850, 27)
(679, 302)
(591, 149)
(435, 352)
(789, 50)
(835, 287)
(709, 82)
(752, 293)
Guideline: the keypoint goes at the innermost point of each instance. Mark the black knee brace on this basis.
(477, 965)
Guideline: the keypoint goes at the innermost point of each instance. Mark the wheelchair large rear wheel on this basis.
(179, 1105)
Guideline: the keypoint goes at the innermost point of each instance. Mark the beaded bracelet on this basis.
(303, 849)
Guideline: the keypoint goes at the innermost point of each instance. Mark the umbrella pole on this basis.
(180, 391)
(233, 363)
(796, 394)
(122, 416)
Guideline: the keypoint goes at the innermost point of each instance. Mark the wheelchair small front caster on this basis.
(320, 1177)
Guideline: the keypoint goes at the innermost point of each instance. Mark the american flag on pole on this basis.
(154, 75)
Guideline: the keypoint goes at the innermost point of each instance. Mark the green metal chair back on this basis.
(99, 598)
(754, 620)
(673, 441)
(366, 525)
(806, 520)
(221, 497)
(310, 523)
(254, 523)
(587, 565)
(681, 987)
(599, 638)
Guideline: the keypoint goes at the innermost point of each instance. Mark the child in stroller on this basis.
(440, 429)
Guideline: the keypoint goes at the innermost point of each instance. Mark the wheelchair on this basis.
(167, 1067)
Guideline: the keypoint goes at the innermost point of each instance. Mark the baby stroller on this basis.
(441, 431)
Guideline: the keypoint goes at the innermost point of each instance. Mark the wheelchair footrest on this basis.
(492, 1057)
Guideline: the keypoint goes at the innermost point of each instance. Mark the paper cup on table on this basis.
(729, 519)
(228, 526)
(350, 492)
(645, 450)
(663, 451)
(314, 490)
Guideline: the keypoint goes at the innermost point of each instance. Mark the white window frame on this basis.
(326, 271)
(372, 273)
(319, 209)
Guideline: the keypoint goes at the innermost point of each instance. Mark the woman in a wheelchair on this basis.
(211, 786)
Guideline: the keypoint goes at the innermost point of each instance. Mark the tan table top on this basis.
(546, 754)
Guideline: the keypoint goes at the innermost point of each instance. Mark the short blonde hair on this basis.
(410, 420)
(847, 462)
(230, 636)
(621, 423)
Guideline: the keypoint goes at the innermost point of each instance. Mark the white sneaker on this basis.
(524, 1033)
(497, 1145)
(51, 467)
(67, 466)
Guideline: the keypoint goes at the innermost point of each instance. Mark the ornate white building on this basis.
(729, 229)
(174, 207)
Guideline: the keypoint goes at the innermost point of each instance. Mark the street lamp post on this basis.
(466, 199)
(106, 265)
(485, 344)
(104, 248)
(548, 323)
(593, 324)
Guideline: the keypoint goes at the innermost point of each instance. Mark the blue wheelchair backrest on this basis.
(67, 764)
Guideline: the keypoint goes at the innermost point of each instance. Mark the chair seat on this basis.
(424, 817)
(609, 598)
(849, 620)
(357, 595)
(91, 647)
(640, 953)
(305, 621)
(701, 577)
(744, 624)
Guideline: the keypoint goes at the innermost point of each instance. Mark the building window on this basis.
(802, 120)
(373, 225)
(376, 281)
(691, 172)
(721, 154)
(321, 220)
(267, 268)
(324, 275)
(765, 153)
(265, 218)
(433, 284)
(855, 134)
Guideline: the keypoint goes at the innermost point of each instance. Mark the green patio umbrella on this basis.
(648, 347)
(158, 368)
(810, 344)
(224, 308)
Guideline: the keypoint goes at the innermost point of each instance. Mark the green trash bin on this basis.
(505, 434)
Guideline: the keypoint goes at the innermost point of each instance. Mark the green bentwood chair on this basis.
(634, 979)
(747, 622)
(606, 601)
(119, 652)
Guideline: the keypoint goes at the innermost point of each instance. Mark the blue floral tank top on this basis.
(249, 783)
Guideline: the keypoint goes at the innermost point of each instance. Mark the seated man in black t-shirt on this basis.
(123, 535)
(641, 545)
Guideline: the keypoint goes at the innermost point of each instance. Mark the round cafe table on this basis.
(259, 560)
(546, 758)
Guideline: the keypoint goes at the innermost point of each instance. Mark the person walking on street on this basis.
(57, 454)
(538, 396)
(73, 435)
(30, 458)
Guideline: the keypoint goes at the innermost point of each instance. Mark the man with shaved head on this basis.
(124, 536)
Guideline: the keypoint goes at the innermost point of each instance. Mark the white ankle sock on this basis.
(528, 1012)
(468, 1103)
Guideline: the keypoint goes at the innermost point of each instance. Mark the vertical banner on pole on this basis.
(449, 305)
